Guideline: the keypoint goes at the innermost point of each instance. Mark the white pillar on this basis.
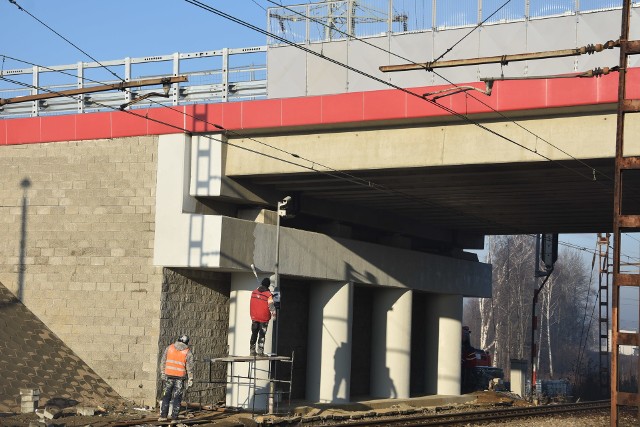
(444, 341)
(391, 344)
(329, 342)
(242, 284)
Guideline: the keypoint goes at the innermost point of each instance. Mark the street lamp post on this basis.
(283, 205)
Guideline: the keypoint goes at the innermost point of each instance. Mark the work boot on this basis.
(260, 351)
(252, 352)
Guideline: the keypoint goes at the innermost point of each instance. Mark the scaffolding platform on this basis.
(258, 381)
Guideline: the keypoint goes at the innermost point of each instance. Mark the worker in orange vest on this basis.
(262, 309)
(177, 375)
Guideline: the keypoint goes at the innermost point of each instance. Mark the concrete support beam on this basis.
(242, 284)
(329, 342)
(391, 344)
(444, 328)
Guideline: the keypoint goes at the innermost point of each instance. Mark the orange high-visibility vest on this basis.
(176, 365)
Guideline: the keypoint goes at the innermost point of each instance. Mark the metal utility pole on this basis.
(549, 254)
(623, 221)
(284, 209)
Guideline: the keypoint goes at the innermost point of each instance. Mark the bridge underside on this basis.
(536, 174)
(562, 196)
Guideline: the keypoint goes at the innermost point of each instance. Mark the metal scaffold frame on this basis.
(276, 387)
(623, 222)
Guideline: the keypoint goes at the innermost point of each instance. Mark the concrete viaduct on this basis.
(124, 229)
(132, 231)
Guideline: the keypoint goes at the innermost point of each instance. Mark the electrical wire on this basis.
(591, 169)
(342, 174)
(338, 30)
(331, 172)
(14, 2)
(472, 30)
(584, 318)
(350, 177)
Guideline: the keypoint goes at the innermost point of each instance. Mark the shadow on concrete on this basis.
(33, 357)
(25, 184)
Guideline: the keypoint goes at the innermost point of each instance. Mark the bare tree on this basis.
(503, 324)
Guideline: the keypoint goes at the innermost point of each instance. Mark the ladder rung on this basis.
(621, 279)
(628, 399)
(631, 105)
(630, 47)
(630, 162)
(629, 221)
(625, 338)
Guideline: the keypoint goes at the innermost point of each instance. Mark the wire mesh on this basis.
(412, 15)
(329, 21)
(372, 18)
(596, 5)
(543, 8)
(363, 18)
(494, 11)
(289, 23)
(459, 13)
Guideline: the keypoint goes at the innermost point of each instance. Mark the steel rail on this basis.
(476, 416)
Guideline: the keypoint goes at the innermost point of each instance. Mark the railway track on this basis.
(477, 416)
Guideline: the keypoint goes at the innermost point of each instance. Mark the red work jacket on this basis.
(260, 309)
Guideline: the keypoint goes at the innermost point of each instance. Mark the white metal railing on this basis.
(213, 76)
(333, 20)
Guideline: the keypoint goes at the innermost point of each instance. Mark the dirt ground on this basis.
(123, 416)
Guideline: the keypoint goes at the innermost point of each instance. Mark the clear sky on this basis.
(117, 29)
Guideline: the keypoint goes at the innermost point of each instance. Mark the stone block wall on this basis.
(196, 303)
(77, 226)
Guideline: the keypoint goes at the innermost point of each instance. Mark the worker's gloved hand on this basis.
(190, 382)
(163, 377)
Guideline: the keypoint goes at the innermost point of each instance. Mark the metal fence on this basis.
(241, 74)
(334, 20)
(213, 76)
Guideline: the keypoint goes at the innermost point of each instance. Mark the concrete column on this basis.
(518, 376)
(242, 284)
(444, 329)
(329, 342)
(391, 343)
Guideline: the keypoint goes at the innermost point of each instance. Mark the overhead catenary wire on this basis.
(584, 50)
(502, 115)
(14, 2)
(354, 179)
(448, 50)
(433, 102)
(368, 183)
(586, 305)
(330, 172)
(272, 147)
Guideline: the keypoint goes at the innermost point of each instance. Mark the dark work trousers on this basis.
(258, 331)
(172, 397)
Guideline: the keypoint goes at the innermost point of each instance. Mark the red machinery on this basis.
(477, 371)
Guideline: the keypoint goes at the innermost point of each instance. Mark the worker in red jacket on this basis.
(262, 309)
(177, 375)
